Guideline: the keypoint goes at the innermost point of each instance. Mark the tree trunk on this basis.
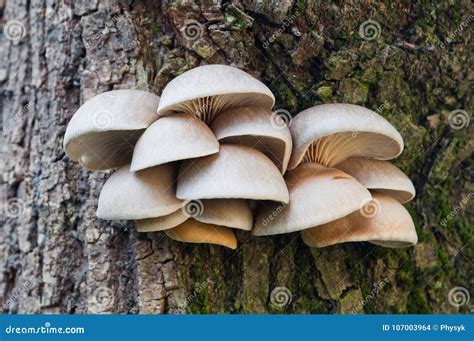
(56, 257)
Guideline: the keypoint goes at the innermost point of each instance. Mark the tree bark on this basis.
(56, 257)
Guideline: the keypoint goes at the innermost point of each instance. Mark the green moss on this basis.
(353, 91)
(417, 303)
(324, 93)
(285, 96)
(237, 19)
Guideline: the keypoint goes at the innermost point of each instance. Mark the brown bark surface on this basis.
(56, 257)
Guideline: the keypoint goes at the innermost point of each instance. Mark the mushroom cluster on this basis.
(192, 162)
(341, 187)
(210, 156)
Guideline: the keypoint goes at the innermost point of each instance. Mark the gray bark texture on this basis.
(56, 257)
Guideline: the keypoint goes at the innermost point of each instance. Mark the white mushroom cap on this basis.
(192, 231)
(103, 131)
(330, 133)
(386, 223)
(233, 213)
(318, 195)
(177, 137)
(146, 194)
(381, 176)
(161, 223)
(255, 127)
(238, 172)
(207, 90)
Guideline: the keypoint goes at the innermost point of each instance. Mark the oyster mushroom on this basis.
(173, 138)
(387, 224)
(233, 213)
(207, 90)
(213, 223)
(104, 130)
(381, 176)
(146, 194)
(192, 101)
(161, 223)
(255, 127)
(318, 195)
(238, 172)
(193, 231)
(324, 136)
(330, 133)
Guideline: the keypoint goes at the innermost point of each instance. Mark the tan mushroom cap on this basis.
(146, 194)
(192, 231)
(318, 195)
(237, 172)
(255, 127)
(206, 90)
(387, 224)
(381, 176)
(103, 131)
(233, 213)
(330, 133)
(172, 138)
